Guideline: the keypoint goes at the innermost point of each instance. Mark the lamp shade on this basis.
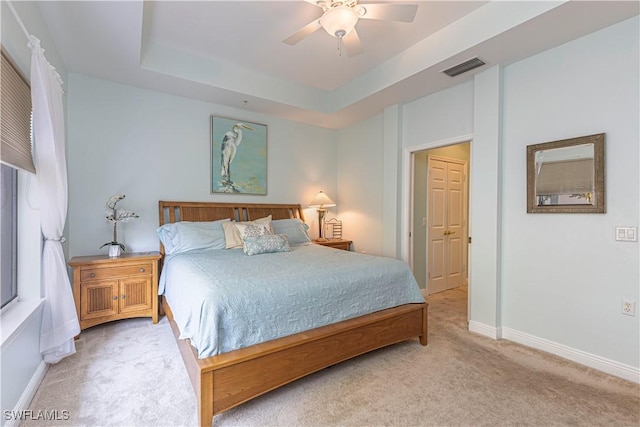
(322, 201)
(341, 19)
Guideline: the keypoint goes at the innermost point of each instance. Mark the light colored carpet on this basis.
(130, 373)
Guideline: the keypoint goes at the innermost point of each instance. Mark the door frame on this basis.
(406, 225)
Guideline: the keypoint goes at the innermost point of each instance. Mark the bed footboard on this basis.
(227, 380)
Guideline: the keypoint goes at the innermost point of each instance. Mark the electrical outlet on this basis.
(628, 307)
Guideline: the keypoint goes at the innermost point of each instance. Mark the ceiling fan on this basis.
(341, 16)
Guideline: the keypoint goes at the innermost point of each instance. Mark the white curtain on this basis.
(59, 319)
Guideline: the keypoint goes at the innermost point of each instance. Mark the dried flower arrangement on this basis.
(114, 216)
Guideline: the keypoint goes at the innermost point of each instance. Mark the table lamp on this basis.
(321, 201)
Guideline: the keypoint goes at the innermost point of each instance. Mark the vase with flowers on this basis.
(114, 216)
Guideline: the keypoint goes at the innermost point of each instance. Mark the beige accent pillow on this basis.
(232, 235)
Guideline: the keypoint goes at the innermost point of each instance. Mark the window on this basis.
(15, 153)
(9, 238)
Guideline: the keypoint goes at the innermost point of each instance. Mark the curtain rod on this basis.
(15, 14)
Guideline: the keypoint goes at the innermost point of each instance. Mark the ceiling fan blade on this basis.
(303, 32)
(389, 11)
(352, 44)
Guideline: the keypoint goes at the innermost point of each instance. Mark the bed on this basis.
(231, 377)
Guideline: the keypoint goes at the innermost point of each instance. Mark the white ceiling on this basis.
(231, 52)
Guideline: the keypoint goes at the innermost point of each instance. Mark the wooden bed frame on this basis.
(229, 379)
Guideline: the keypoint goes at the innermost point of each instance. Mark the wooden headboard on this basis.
(170, 212)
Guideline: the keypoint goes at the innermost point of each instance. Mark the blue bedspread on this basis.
(223, 300)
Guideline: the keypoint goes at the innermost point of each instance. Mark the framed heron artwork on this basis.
(238, 156)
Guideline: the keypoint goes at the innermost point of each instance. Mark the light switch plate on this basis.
(626, 234)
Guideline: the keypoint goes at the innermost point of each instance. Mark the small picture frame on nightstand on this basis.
(333, 229)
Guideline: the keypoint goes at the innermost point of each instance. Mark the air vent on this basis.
(464, 67)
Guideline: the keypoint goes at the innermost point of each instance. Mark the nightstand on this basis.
(345, 245)
(106, 289)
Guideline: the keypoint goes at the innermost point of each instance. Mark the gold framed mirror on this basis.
(567, 176)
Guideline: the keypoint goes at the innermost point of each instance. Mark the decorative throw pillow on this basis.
(252, 230)
(267, 243)
(232, 235)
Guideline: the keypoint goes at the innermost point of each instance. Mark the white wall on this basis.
(485, 217)
(438, 120)
(22, 364)
(439, 117)
(153, 146)
(361, 161)
(553, 282)
(564, 275)
(359, 204)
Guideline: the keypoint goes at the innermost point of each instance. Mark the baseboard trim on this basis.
(29, 393)
(485, 330)
(605, 365)
(599, 363)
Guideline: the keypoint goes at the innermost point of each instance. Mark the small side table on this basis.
(106, 289)
(345, 245)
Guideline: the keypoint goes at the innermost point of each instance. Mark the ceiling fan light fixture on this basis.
(339, 21)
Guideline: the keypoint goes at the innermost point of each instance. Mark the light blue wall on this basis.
(153, 146)
(564, 275)
(551, 281)
(485, 220)
(360, 180)
(22, 364)
(362, 161)
(441, 116)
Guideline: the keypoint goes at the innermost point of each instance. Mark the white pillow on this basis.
(186, 236)
(232, 235)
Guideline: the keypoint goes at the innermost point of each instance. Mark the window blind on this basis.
(15, 118)
(565, 177)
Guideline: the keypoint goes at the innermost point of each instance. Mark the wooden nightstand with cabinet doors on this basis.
(106, 289)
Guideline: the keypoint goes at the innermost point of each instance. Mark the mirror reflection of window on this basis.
(565, 176)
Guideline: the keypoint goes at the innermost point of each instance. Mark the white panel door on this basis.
(455, 225)
(446, 210)
(437, 217)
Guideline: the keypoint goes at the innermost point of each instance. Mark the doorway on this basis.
(440, 209)
(446, 223)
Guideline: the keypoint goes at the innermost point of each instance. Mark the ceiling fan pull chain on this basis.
(339, 35)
